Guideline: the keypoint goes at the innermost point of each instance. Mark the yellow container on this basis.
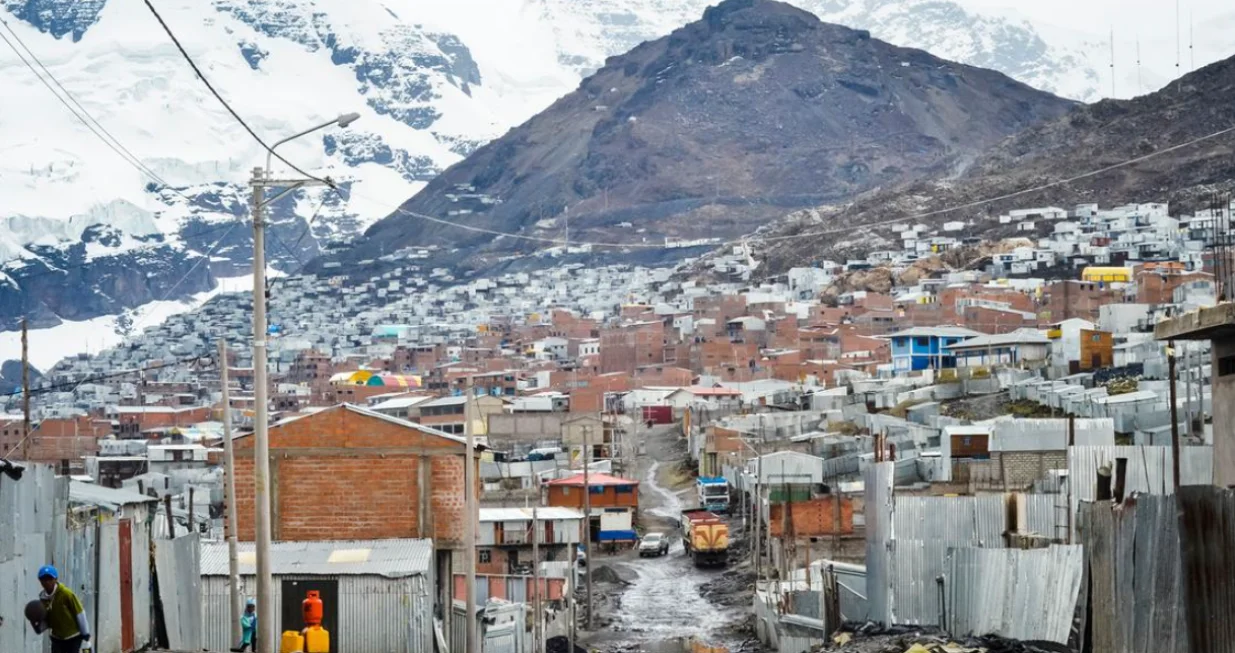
(317, 640)
(292, 642)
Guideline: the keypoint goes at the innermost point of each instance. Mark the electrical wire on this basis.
(192, 64)
(80, 112)
(73, 386)
(818, 232)
(60, 270)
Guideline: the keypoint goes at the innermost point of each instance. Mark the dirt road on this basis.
(661, 602)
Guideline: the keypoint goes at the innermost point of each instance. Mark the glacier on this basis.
(433, 80)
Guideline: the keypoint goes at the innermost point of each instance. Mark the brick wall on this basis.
(341, 475)
(812, 518)
(1024, 467)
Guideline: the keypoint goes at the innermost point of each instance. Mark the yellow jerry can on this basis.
(292, 642)
(316, 640)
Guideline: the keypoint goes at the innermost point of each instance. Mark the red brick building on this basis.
(348, 473)
(54, 440)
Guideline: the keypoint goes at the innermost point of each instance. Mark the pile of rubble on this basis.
(870, 638)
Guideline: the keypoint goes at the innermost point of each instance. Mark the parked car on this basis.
(653, 544)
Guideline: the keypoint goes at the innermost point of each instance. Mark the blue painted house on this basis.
(926, 348)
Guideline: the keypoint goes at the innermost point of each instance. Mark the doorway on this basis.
(291, 617)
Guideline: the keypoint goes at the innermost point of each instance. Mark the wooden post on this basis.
(171, 521)
(537, 626)
(25, 391)
(1170, 373)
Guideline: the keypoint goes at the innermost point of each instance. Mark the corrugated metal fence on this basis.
(878, 482)
(37, 527)
(32, 526)
(1149, 469)
(1207, 532)
(376, 614)
(1020, 594)
(1134, 565)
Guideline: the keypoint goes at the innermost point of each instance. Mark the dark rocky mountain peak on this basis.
(712, 131)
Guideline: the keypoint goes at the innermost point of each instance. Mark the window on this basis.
(624, 489)
(922, 342)
(1095, 338)
(1226, 366)
(596, 489)
(486, 556)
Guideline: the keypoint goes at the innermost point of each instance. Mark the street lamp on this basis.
(261, 444)
(342, 121)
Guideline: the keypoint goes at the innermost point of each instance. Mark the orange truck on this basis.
(706, 537)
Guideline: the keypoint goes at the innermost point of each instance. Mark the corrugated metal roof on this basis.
(390, 558)
(544, 513)
(104, 497)
(1049, 434)
(594, 479)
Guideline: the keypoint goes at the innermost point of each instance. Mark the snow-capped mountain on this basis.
(84, 233)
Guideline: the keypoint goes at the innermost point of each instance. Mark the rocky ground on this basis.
(660, 604)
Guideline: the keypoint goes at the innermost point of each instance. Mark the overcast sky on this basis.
(1151, 22)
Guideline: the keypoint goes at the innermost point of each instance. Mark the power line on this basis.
(75, 386)
(819, 232)
(59, 270)
(79, 111)
(224, 102)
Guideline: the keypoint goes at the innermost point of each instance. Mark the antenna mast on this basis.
(1191, 51)
(1140, 87)
(1112, 62)
(1177, 47)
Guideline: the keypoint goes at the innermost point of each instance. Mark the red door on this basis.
(126, 585)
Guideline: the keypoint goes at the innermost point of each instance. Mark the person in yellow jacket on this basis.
(65, 617)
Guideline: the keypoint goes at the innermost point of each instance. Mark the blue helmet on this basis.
(48, 571)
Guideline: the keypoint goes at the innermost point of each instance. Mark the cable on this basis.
(75, 386)
(84, 116)
(227, 106)
(59, 270)
(818, 232)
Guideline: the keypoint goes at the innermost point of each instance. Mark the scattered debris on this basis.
(872, 638)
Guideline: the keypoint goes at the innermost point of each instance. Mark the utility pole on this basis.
(261, 442)
(1170, 373)
(587, 512)
(469, 524)
(262, 179)
(537, 643)
(25, 391)
(1187, 347)
(759, 508)
(229, 490)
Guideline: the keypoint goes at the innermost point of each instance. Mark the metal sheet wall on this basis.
(376, 614)
(177, 562)
(1207, 533)
(1020, 594)
(975, 521)
(1150, 470)
(1133, 553)
(879, 532)
(27, 524)
(1041, 514)
(916, 565)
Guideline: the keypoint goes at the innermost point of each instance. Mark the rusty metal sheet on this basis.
(1207, 536)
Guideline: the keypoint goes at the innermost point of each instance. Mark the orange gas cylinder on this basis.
(312, 607)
